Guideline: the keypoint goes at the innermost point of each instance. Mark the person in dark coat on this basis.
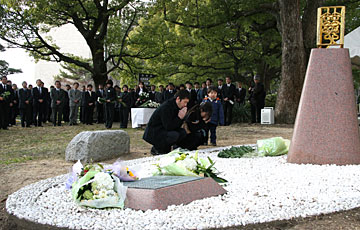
(195, 126)
(139, 90)
(15, 107)
(89, 104)
(100, 93)
(221, 89)
(152, 93)
(25, 104)
(125, 105)
(5, 102)
(240, 94)
(58, 96)
(40, 103)
(229, 99)
(169, 94)
(193, 95)
(82, 108)
(159, 96)
(202, 92)
(66, 109)
(164, 127)
(48, 110)
(110, 97)
(257, 99)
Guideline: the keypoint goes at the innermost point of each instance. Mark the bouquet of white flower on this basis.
(96, 187)
(182, 163)
(150, 104)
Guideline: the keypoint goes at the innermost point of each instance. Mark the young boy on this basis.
(217, 116)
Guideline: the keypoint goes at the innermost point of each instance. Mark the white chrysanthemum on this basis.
(166, 160)
(188, 163)
(103, 181)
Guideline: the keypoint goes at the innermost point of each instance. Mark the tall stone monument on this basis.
(326, 127)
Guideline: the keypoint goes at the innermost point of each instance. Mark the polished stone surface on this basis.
(162, 191)
(326, 128)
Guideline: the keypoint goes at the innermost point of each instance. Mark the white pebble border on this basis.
(259, 190)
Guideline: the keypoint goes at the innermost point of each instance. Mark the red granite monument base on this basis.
(161, 198)
(326, 127)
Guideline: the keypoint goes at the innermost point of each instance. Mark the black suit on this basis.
(164, 127)
(220, 94)
(257, 101)
(192, 99)
(5, 106)
(229, 92)
(169, 95)
(152, 95)
(66, 109)
(89, 109)
(240, 95)
(25, 104)
(39, 108)
(110, 94)
(99, 106)
(15, 108)
(125, 109)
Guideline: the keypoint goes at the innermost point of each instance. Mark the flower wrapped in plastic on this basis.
(183, 163)
(96, 187)
(123, 172)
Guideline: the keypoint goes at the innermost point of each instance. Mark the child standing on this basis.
(217, 116)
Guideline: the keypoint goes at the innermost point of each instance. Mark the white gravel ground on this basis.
(259, 190)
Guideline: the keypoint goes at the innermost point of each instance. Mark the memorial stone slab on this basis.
(159, 192)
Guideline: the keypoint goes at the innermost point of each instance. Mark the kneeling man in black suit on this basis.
(164, 128)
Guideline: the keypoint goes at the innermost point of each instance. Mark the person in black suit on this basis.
(100, 93)
(165, 125)
(169, 94)
(25, 104)
(240, 94)
(159, 96)
(110, 97)
(66, 109)
(39, 103)
(229, 98)
(82, 109)
(125, 98)
(5, 103)
(48, 110)
(58, 96)
(221, 89)
(193, 95)
(138, 91)
(257, 99)
(89, 104)
(152, 93)
(15, 108)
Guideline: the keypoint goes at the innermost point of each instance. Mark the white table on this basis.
(141, 116)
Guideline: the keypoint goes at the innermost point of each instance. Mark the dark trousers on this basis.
(109, 114)
(124, 117)
(89, 111)
(192, 141)
(47, 113)
(4, 115)
(25, 115)
(57, 114)
(256, 112)
(82, 114)
(39, 113)
(14, 112)
(172, 138)
(66, 113)
(228, 112)
(100, 112)
(212, 128)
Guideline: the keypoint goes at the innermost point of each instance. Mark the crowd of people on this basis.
(37, 104)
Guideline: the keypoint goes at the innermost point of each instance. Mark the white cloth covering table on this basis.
(141, 116)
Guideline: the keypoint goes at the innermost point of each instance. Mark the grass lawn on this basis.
(23, 144)
(36, 143)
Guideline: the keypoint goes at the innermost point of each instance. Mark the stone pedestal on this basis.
(159, 192)
(326, 127)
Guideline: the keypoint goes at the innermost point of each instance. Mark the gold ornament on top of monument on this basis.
(331, 26)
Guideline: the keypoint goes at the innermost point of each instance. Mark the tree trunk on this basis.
(293, 62)
(100, 68)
